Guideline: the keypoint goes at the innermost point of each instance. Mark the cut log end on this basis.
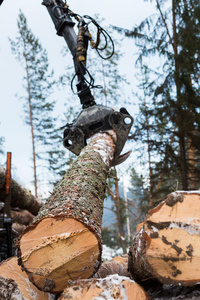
(174, 252)
(14, 283)
(111, 287)
(59, 251)
(170, 238)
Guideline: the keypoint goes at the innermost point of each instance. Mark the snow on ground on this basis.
(108, 253)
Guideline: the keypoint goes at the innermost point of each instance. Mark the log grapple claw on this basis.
(98, 118)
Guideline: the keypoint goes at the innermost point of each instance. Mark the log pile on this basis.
(60, 252)
(64, 241)
(20, 197)
(24, 206)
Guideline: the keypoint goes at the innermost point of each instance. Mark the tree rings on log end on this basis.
(173, 234)
(14, 283)
(57, 251)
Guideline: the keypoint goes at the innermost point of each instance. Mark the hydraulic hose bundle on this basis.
(93, 118)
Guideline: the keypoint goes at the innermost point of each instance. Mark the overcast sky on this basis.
(124, 14)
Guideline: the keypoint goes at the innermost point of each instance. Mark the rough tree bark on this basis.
(64, 241)
(20, 197)
(167, 247)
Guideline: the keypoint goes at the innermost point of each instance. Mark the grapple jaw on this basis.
(98, 118)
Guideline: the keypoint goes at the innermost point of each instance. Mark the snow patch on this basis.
(114, 282)
(192, 230)
(109, 253)
(176, 193)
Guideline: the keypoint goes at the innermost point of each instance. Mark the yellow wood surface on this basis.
(60, 250)
(174, 252)
(11, 269)
(111, 287)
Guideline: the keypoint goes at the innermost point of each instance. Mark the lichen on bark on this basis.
(81, 191)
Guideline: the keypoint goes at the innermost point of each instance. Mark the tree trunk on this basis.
(167, 247)
(119, 215)
(118, 211)
(163, 170)
(20, 197)
(31, 122)
(180, 118)
(64, 241)
(14, 283)
(111, 287)
(193, 181)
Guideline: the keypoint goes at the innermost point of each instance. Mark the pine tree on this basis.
(171, 38)
(119, 207)
(109, 84)
(106, 72)
(60, 158)
(38, 84)
(140, 194)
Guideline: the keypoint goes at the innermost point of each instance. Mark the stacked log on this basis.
(14, 283)
(167, 246)
(20, 197)
(24, 206)
(61, 250)
(63, 243)
(119, 265)
(111, 287)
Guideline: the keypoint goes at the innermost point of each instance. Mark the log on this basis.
(167, 246)
(20, 197)
(64, 241)
(14, 283)
(22, 216)
(18, 228)
(119, 266)
(174, 292)
(111, 287)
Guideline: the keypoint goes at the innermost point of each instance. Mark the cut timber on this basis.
(14, 283)
(58, 250)
(23, 217)
(167, 247)
(119, 266)
(20, 197)
(18, 228)
(64, 241)
(111, 287)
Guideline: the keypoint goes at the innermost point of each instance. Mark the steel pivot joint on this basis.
(95, 119)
